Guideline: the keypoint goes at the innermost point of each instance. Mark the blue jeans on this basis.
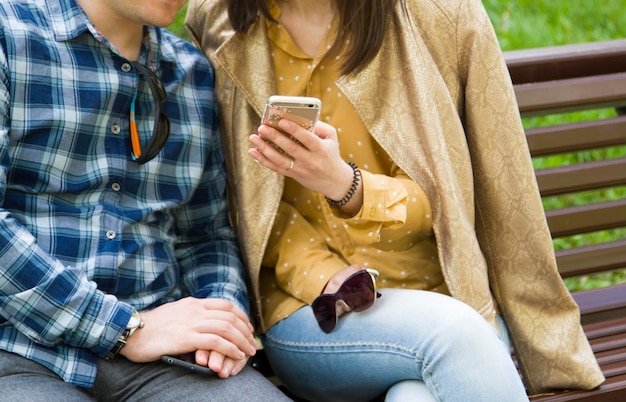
(410, 343)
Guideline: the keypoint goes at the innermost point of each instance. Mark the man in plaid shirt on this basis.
(114, 236)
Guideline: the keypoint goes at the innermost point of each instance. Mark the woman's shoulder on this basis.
(208, 23)
(442, 23)
(448, 9)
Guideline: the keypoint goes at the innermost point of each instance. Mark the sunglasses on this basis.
(161, 130)
(358, 292)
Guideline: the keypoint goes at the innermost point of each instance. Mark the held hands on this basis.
(313, 160)
(218, 331)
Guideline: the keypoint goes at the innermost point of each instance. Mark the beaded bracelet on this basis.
(353, 187)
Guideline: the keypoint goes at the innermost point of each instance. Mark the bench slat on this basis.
(566, 61)
(614, 389)
(572, 94)
(587, 218)
(602, 304)
(591, 258)
(600, 329)
(582, 176)
(615, 368)
(576, 136)
(614, 343)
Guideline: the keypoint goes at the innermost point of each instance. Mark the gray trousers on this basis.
(121, 380)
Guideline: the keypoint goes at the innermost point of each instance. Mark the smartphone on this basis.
(188, 361)
(302, 110)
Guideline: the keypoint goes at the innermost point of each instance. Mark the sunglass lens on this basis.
(358, 291)
(161, 134)
(160, 91)
(325, 313)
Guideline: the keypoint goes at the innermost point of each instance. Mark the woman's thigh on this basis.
(406, 335)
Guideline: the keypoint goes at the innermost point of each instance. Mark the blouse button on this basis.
(110, 234)
(116, 186)
(126, 67)
(115, 129)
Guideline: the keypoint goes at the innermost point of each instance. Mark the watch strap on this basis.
(121, 341)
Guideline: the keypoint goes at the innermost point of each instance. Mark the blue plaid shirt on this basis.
(86, 234)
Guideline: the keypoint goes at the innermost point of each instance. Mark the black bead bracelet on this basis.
(353, 187)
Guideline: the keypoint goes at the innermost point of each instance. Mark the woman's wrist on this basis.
(354, 186)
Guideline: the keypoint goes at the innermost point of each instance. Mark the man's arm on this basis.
(208, 251)
(45, 300)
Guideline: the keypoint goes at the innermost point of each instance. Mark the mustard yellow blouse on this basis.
(311, 241)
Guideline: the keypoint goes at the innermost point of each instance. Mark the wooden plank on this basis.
(613, 356)
(582, 176)
(598, 330)
(604, 302)
(591, 258)
(587, 218)
(576, 136)
(610, 345)
(560, 96)
(614, 389)
(566, 61)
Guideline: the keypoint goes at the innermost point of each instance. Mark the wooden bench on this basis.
(566, 79)
(573, 78)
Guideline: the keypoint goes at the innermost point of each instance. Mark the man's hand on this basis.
(222, 365)
(195, 325)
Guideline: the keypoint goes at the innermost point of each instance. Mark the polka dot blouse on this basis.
(310, 240)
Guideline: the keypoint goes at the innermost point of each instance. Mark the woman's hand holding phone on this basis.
(317, 162)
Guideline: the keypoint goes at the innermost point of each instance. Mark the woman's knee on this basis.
(409, 390)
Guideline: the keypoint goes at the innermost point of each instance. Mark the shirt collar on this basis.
(68, 20)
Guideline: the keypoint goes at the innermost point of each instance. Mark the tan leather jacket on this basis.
(438, 98)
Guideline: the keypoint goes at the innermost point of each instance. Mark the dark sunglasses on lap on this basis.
(358, 292)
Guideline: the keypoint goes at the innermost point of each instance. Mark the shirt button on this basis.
(372, 211)
(116, 186)
(110, 234)
(126, 67)
(349, 251)
(115, 129)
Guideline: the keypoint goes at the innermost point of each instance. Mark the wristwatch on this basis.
(134, 324)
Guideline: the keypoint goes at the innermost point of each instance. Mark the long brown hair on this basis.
(363, 22)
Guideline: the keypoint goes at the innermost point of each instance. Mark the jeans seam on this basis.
(388, 347)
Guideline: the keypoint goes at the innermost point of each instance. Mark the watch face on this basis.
(135, 321)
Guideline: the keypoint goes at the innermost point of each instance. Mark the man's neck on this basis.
(123, 33)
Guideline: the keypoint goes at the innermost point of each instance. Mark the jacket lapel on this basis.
(243, 58)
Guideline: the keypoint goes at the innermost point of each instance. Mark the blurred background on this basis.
(522, 24)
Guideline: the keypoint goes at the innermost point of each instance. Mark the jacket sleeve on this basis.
(541, 315)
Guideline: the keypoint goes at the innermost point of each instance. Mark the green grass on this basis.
(522, 24)
(178, 26)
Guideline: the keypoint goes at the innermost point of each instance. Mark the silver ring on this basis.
(291, 164)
